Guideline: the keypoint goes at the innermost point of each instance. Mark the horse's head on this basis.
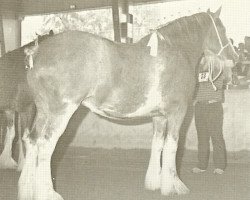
(217, 67)
(218, 49)
(216, 40)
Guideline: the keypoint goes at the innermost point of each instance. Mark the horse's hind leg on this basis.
(6, 160)
(153, 175)
(25, 122)
(35, 181)
(170, 182)
(20, 144)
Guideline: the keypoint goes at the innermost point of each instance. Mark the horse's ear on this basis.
(217, 13)
(208, 11)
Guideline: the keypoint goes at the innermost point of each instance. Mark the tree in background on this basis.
(94, 21)
(100, 21)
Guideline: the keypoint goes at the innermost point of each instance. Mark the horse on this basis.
(15, 99)
(153, 78)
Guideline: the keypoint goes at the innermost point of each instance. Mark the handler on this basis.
(209, 116)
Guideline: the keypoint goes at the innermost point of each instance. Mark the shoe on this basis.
(197, 170)
(218, 171)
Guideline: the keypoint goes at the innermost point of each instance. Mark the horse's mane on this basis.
(180, 32)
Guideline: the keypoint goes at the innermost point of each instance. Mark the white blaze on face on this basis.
(154, 95)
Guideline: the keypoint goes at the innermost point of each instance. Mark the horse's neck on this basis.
(186, 34)
(189, 42)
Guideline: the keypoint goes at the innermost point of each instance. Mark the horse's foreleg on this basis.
(21, 157)
(6, 160)
(153, 175)
(35, 182)
(170, 182)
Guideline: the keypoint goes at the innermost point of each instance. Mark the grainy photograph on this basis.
(124, 100)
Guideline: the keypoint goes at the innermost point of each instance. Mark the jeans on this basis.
(209, 124)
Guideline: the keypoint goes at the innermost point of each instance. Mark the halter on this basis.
(153, 44)
(210, 71)
(219, 38)
(218, 54)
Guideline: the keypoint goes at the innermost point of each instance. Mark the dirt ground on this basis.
(108, 175)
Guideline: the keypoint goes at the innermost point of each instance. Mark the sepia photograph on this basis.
(124, 99)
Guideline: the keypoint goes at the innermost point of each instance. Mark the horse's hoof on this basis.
(51, 196)
(54, 196)
(174, 187)
(153, 181)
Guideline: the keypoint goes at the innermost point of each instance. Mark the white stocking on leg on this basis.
(20, 144)
(21, 158)
(27, 178)
(6, 160)
(35, 182)
(153, 175)
(43, 182)
(170, 182)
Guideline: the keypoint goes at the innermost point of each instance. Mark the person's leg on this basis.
(202, 135)
(216, 131)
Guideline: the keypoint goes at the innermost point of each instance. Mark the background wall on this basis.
(94, 131)
(12, 31)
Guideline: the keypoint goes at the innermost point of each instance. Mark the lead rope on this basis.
(210, 71)
(211, 63)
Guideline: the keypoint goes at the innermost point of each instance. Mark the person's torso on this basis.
(206, 93)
